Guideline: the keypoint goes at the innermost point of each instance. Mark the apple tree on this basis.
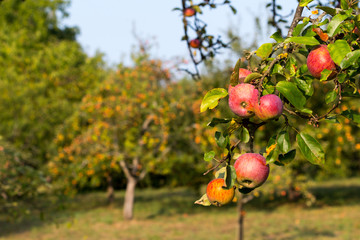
(320, 50)
(136, 122)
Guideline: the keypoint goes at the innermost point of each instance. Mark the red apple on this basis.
(242, 99)
(318, 60)
(218, 195)
(251, 170)
(270, 107)
(189, 12)
(195, 43)
(243, 74)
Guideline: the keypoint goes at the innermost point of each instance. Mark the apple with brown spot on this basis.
(251, 170)
(242, 99)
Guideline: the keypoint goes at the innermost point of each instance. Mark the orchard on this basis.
(276, 83)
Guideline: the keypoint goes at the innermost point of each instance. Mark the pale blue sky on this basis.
(108, 25)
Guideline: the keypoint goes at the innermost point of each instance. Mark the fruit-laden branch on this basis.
(252, 127)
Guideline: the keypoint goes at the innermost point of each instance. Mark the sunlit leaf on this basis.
(203, 201)
(311, 41)
(209, 156)
(310, 148)
(350, 59)
(211, 99)
(304, 3)
(338, 50)
(290, 91)
(284, 141)
(264, 50)
(336, 21)
(330, 97)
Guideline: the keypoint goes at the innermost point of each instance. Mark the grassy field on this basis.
(170, 214)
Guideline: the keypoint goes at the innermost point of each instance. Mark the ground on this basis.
(170, 214)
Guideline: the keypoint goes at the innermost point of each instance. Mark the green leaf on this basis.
(332, 119)
(277, 37)
(344, 4)
(221, 173)
(328, 10)
(338, 50)
(300, 27)
(350, 59)
(209, 156)
(286, 158)
(243, 135)
(229, 177)
(284, 141)
(305, 85)
(311, 41)
(352, 115)
(336, 21)
(216, 121)
(221, 141)
(304, 3)
(234, 79)
(330, 97)
(341, 77)
(310, 148)
(252, 76)
(325, 75)
(264, 50)
(290, 91)
(211, 99)
(203, 201)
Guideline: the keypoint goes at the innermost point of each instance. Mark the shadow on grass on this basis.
(337, 195)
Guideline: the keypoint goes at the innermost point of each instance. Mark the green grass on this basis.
(171, 214)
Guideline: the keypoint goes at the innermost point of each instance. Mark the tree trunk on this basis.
(129, 198)
(110, 190)
(240, 231)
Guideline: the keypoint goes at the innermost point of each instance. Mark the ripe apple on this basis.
(318, 60)
(189, 12)
(242, 99)
(243, 74)
(195, 43)
(270, 107)
(218, 195)
(251, 170)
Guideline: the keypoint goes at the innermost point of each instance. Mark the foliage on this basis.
(44, 73)
(20, 181)
(281, 68)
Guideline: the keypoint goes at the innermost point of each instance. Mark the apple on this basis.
(270, 107)
(318, 60)
(218, 195)
(242, 99)
(243, 74)
(195, 43)
(251, 170)
(189, 12)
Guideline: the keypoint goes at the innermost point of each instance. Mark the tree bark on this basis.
(240, 231)
(129, 198)
(110, 190)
